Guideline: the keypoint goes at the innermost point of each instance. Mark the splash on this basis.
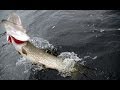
(26, 63)
(41, 43)
(69, 58)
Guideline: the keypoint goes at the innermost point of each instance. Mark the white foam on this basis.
(94, 58)
(24, 62)
(69, 59)
(53, 27)
(41, 43)
(101, 30)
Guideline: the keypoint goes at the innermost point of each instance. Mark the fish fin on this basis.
(24, 51)
(83, 71)
(15, 19)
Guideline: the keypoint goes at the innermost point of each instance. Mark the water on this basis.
(91, 37)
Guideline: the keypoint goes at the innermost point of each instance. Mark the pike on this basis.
(17, 36)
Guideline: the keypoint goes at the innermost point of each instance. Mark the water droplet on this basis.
(53, 27)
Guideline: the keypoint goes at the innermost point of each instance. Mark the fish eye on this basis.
(4, 20)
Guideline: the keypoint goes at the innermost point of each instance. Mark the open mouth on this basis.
(10, 39)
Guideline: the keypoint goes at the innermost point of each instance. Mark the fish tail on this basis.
(82, 71)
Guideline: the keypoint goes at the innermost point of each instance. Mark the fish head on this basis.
(14, 28)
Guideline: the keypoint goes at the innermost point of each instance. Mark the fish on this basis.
(16, 35)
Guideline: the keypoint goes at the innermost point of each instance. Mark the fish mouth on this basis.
(5, 20)
(14, 29)
(10, 39)
(16, 33)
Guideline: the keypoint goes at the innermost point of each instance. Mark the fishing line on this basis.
(5, 44)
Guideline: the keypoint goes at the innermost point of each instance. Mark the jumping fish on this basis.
(17, 36)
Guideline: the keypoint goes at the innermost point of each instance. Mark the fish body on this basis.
(37, 55)
(17, 36)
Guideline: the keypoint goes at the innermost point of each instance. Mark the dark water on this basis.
(92, 34)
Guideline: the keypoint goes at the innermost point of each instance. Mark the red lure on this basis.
(15, 40)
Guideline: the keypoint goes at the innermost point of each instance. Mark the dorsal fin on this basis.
(14, 18)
